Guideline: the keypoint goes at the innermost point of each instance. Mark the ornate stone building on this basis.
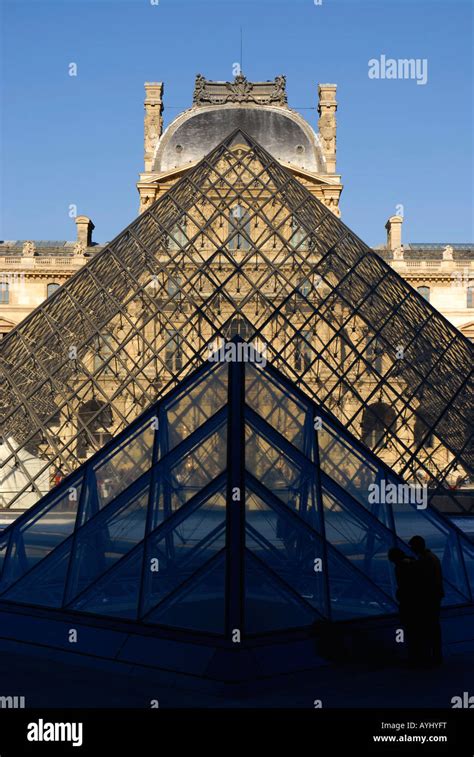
(31, 270)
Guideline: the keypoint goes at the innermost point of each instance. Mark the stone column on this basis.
(327, 107)
(153, 119)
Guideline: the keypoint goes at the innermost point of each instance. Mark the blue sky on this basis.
(79, 140)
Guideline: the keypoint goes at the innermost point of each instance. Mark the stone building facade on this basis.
(31, 270)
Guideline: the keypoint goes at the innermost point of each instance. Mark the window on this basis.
(377, 418)
(177, 237)
(470, 297)
(104, 351)
(173, 286)
(303, 351)
(374, 353)
(4, 293)
(173, 351)
(52, 288)
(304, 287)
(421, 432)
(425, 292)
(298, 239)
(240, 219)
(238, 327)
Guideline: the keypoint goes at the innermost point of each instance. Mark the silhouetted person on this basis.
(407, 575)
(431, 594)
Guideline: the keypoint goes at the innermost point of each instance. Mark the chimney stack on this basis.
(394, 232)
(84, 231)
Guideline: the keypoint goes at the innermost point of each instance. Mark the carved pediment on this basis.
(240, 91)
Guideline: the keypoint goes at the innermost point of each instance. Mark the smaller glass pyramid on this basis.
(225, 506)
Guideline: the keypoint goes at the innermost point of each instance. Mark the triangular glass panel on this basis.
(288, 548)
(35, 536)
(199, 605)
(45, 583)
(105, 540)
(116, 594)
(181, 546)
(269, 604)
(125, 463)
(352, 595)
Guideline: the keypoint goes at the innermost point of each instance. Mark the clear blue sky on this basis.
(80, 140)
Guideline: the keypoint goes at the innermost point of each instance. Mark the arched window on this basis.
(470, 297)
(238, 326)
(4, 293)
(52, 288)
(376, 419)
(425, 292)
(240, 220)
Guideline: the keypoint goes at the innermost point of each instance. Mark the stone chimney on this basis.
(85, 228)
(327, 107)
(394, 233)
(153, 119)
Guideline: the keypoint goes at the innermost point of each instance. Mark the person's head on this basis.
(396, 555)
(417, 544)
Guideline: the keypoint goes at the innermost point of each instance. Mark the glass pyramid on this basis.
(237, 246)
(235, 502)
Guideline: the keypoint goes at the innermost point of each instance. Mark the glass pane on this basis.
(269, 606)
(124, 465)
(288, 549)
(115, 594)
(350, 469)
(172, 557)
(198, 467)
(197, 405)
(44, 585)
(359, 540)
(42, 533)
(276, 406)
(273, 469)
(106, 539)
(200, 606)
(352, 595)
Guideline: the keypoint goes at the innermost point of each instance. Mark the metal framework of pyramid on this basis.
(222, 508)
(237, 245)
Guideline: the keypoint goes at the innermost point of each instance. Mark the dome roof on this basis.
(283, 132)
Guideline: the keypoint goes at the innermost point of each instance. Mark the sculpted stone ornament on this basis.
(448, 253)
(398, 253)
(79, 248)
(327, 130)
(239, 91)
(29, 248)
